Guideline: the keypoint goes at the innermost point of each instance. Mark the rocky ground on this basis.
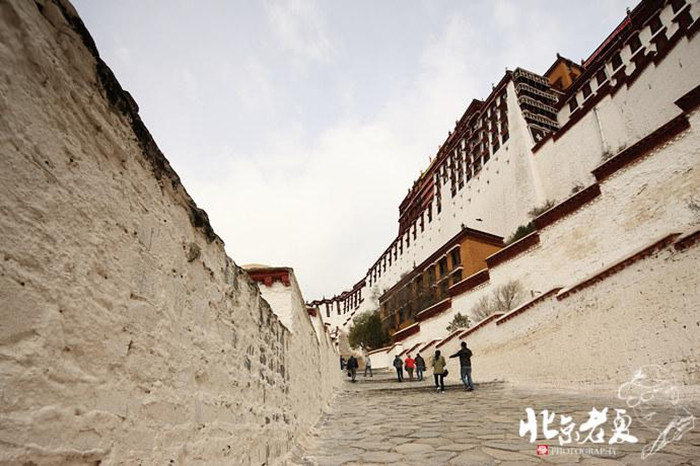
(380, 421)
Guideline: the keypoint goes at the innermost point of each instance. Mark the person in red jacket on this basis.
(410, 365)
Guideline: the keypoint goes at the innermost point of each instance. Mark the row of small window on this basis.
(616, 62)
(495, 114)
(397, 248)
(346, 305)
(495, 110)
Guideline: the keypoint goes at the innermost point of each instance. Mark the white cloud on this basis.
(307, 169)
(300, 28)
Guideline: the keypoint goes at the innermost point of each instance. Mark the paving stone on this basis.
(472, 458)
(457, 447)
(381, 457)
(409, 448)
(389, 423)
(514, 446)
(601, 462)
(436, 442)
(506, 455)
(425, 434)
(375, 446)
(657, 459)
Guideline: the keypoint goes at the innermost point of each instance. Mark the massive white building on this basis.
(535, 139)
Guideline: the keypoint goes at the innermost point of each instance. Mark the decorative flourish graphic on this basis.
(650, 394)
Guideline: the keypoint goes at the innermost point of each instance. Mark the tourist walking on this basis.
(368, 366)
(410, 364)
(420, 366)
(398, 364)
(352, 367)
(439, 364)
(465, 364)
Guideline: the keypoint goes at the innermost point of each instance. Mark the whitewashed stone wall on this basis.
(644, 314)
(127, 336)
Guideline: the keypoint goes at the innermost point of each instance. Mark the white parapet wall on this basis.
(127, 335)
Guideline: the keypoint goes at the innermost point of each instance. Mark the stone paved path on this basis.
(379, 421)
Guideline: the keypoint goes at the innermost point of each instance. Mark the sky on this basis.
(300, 125)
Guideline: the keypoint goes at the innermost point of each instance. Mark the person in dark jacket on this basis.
(398, 364)
(352, 367)
(465, 363)
(420, 366)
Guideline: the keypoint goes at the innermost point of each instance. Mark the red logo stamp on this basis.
(542, 450)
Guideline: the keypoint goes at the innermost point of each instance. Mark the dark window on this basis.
(456, 258)
(401, 316)
(504, 138)
(422, 222)
(457, 277)
(573, 104)
(677, 5)
(634, 43)
(616, 61)
(655, 25)
(601, 77)
(586, 90)
(443, 266)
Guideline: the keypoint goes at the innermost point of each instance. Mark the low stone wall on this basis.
(127, 336)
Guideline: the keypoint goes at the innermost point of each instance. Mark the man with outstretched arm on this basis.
(465, 363)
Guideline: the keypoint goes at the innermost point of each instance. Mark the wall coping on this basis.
(528, 305)
(449, 337)
(641, 148)
(385, 349)
(469, 283)
(482, 323)
(435, 309)
(619, 265)
(410, 350)
(428, 344)
(689, 101)
(513, 250)
(687, 240)
(406, 332)
(567, 207)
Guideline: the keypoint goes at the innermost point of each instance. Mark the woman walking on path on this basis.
(410, 365)
(439, 364)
